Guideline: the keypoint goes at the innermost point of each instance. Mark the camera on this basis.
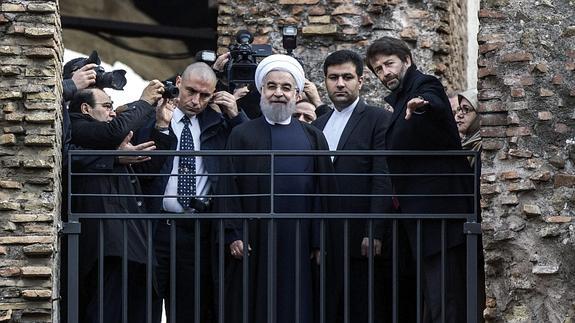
(243, 59)
(170, 90)
(289, 39)
(115, 79)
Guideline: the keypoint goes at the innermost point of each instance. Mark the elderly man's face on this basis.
(195, 93)
(279, 95)
(103, 109)
(390, 70)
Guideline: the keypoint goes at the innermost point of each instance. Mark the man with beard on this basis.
(280, 80)
(422, 120)
(354, 125)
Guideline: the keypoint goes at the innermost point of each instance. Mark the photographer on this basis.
(94, 125)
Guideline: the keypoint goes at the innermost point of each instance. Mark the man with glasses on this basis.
(95, 125)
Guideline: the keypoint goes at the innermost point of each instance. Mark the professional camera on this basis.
(170, 90)
(243, 59)
(115, 79)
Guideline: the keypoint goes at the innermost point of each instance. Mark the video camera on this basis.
(115, 79)
(243, 59)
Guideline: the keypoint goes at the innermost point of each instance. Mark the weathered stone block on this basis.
(26, 239)
(492, 144)
(531, 210)
(493, 132)
(10, 271)
(38, 32)
(494, 119)
(10, 95)
(37, 163)
(38, 250)
(545, 269)
(10, 70)
(489, 189)
(320, 19)
(298, 1)
(8, 184)
(517, 92)
(7, 139)
(36, 271)
(516, 57)
(545, 92)
(518, 131)
(486, 71)
(316, 10)
(564, 180)
(41, 117)
(562, 128)
(558, 219)
(525, 185)
(42, 7)
(9, 206)
(35, 140)
(509, 175)
(347, 10)
(24, 217)
(544, 115)
(509, 199)
(12, 7)
(35, 294)
(491, 106)
(319, 30)
(520, 153)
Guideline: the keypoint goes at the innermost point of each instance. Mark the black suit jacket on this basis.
(365, 130)
(432, 128)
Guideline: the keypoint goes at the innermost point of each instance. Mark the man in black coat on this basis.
(208, 117)
(422, 120)
(280, 79)
(94, 125)
(354, 125)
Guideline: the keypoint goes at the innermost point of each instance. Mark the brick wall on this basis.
(527, 92)
(30, 94)
(434, 29)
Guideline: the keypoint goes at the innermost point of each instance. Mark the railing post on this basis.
(73, 229)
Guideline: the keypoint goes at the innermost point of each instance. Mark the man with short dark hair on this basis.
(422, 120)
(354, 125)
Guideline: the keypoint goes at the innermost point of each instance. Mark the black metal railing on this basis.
(470, 220)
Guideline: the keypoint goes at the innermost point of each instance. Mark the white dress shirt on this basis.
(335, 125)
(171, 204)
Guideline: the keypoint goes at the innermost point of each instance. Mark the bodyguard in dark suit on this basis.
(354, 125)
(422, 120)
(202, 120)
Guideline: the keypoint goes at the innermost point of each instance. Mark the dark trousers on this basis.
(184, 271)
(113, 305)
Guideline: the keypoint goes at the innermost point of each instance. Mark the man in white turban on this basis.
(280, 80)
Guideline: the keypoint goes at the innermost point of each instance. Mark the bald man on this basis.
(280, 80)
(202, 120)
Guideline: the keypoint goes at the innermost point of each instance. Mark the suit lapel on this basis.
(356, 115)
(322, 121)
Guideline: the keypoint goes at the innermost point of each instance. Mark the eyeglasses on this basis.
(107, 105)
(464, 109)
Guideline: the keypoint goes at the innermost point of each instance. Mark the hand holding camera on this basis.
(85, 76)
(153, 92)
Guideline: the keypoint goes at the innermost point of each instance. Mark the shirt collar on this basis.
(178, 115)
(285, 122)
(348, 109)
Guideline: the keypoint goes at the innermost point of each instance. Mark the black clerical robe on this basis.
(258, 134)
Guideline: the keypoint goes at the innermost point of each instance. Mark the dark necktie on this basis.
(186, 167)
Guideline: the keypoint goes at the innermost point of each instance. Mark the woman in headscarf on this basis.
(468, 120)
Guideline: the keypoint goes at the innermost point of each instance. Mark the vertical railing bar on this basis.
(297, 269)
(271, 245)
(322, 269)
(346, 271)
(221, 276)
(149, 271)
(443, 256)
(395, 275)
(472, 250)
(125, 272)
(173, 239)
(418, 273)
(101, 271)
(73, 252)
(245, 264)
(370, 273)
(197, 272)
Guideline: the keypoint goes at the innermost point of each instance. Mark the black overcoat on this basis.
(431, 128)
(255, 135)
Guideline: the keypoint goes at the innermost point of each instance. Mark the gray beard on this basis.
(277, 112)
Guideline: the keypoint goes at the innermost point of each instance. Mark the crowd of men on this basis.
(293, 117)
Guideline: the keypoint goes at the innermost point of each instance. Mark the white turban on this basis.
(280, 62)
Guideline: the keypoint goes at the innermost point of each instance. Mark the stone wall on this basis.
(30, 95)
(527, 92)
(434, 29)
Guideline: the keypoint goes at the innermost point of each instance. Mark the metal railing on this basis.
(470, 220)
